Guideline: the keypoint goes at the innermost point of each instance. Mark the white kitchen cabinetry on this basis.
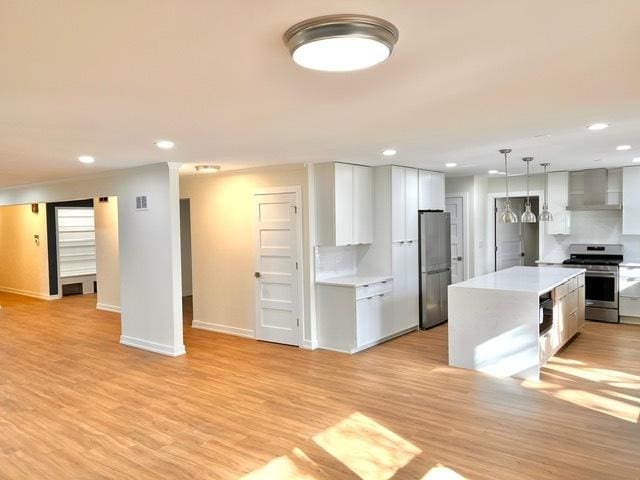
(343, 204)
(629, 298)
(558, 198)
(404, 204)
(631, 201)
(431, 190)
(354, 317)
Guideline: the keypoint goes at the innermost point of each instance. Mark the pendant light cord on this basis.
(506, 177)
(528, 202)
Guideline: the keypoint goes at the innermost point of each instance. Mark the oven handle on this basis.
(601, 274)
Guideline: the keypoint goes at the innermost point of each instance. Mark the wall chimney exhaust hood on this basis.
(594, 192)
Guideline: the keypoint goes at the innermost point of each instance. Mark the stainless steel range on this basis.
(601, 279)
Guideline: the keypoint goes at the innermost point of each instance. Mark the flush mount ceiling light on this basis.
(450, 165)
(207, 168)
(598, 126)
(622, 148)
(165, 144)
(341, 43)
(389, 152)
(86, 159)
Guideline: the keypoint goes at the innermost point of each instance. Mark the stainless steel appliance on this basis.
(601, 280)
(435, 267)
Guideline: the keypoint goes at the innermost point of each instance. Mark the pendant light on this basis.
(507, 215)
(545, 215)
(528, 216)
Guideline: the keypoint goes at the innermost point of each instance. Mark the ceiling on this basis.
(109, 78)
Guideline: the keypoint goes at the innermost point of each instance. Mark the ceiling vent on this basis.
(141, 202)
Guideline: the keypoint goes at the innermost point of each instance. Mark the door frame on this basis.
(491, 232)
(466, 265)
(297, 190)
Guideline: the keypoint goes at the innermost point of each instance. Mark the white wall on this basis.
(149, 245)
(222, 245)
(24, 265)
(107, 254)
(185, 246)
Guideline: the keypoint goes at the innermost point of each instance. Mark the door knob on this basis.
(257, 275)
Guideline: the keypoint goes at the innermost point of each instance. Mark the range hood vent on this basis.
(595, 192)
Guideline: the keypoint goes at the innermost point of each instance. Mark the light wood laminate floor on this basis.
(74, 404)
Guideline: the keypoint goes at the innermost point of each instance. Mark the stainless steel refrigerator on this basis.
(435, 267)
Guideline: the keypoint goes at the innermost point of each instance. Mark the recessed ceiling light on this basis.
(493, 172)
(86, 159)
(341, 43)
(389, 152)
(598, 126)
(207, 168)
(636, 160)
(621, 148)
(165, 144)
(450, 164)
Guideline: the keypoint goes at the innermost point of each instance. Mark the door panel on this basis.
(424, 190)
(344, 204)
(362, 231)
(411, 203)
(398, 205)
(445, 281)
(454, 205)
(277, 290)
(412, 288)
(398, 265)
(431, 303)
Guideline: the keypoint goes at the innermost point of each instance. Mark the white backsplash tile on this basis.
(335, 262)
(592, 227)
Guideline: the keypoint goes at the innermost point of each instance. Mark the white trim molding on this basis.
(27, 293)
(309, 345)
(154, 347)
(216, 327)
(108, 308)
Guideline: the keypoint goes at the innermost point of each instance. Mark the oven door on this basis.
(601, 289)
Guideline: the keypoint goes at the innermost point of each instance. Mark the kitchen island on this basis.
(509, 323)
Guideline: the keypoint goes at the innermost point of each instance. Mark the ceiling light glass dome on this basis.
(341, 43)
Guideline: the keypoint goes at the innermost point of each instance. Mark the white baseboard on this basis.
(27, 293)
(216, 327)
(108, 308)
(309, 345)
(153, 346)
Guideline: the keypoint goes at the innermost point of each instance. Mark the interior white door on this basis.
(454, 205)
(509, 237)
(278, 246)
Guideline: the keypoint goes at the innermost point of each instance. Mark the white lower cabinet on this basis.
(629, 299)
(352, 318)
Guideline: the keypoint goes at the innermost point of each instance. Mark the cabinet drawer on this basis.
(630, 306)
(374, 289)
(562, 290)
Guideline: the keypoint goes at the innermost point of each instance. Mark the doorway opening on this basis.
(516, 244)
(185, 257)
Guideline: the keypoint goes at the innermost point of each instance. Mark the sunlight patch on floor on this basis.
(281, 468)
(599, 403)
(440, 472)
(367, 448)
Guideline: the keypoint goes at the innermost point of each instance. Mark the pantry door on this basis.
(278, 265)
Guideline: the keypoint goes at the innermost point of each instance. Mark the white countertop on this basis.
(522, 279)
(354, 280)
(630, 263)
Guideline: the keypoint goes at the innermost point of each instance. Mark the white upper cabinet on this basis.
(431, 190)
(631, 201)
(411, 203)
(398, 203)
(362, 205)
(558, 195)
(404, 204)
(343, 204)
